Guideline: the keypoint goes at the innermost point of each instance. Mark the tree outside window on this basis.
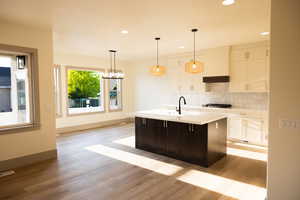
(85, 91)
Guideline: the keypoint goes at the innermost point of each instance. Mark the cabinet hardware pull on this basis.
(166, 124)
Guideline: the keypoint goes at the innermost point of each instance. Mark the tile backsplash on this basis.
(218, 93)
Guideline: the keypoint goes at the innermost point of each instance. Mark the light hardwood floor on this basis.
(103, 164)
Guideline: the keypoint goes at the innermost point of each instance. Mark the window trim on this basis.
(33, 90)
(69, 67)
(59, 92)
(108, 101)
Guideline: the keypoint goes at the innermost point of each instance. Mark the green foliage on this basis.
(83, 84)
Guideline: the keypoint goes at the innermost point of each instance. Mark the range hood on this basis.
(216, 79)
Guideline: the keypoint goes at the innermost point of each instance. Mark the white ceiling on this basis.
(91, 27)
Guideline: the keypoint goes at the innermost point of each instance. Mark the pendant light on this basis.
(157, 70)
(194, 67)
(113, 73)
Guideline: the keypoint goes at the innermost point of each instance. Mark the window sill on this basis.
(19, 128)
(85, 113)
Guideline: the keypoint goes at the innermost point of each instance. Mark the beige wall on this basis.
(284, 143)
(93, 62)
(26, 143)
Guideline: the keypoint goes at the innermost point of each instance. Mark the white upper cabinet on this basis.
(249, 67)
(216, 61)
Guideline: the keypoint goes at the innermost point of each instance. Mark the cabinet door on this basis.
(265, 133)
(175, 138)
(159, 133)
(238, 70)
(257, 70)
(141, 133)
(254, 131)
(235, 129)
(195, 143)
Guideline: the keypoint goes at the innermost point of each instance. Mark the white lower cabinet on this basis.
(235, 128)
(247, 130)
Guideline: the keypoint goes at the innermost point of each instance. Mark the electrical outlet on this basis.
(291, 124)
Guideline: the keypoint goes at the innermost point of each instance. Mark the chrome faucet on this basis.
(179, 107)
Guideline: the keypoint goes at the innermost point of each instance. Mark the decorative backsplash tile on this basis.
(219, 94)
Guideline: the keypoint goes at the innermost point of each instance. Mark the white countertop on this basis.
(241, 112)
(186, 116)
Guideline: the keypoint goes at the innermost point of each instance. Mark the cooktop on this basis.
(217, 105)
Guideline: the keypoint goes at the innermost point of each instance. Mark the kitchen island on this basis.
(195, 137)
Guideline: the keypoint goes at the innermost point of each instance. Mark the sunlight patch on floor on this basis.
(129, 141)
(223, 185)
(247, 154)
(263, 148)
(137, 160)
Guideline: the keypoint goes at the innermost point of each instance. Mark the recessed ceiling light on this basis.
(124, 31)
(181, 47)
(228, 2)
(265, 33)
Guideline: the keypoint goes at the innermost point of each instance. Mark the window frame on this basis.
(66, 84)
(57, 90)
(33, 89)
(108, 101)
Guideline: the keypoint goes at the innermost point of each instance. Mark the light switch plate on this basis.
(288, 123)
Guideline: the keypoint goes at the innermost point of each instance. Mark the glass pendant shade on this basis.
(158, 70)
(113, 73)
(194, 67)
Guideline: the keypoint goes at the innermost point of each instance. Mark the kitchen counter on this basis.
(191, 117)
(195, 137)
(234, 111)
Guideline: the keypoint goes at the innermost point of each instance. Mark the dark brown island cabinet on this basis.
(198, 144)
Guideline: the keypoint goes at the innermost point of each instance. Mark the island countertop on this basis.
(186, 117)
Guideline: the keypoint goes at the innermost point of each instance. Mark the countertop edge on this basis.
(180, 119)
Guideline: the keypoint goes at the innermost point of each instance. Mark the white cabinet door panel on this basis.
(254, 131)
(235, 128)
(238, 72)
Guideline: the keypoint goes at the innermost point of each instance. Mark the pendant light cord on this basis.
(111, 68)
(157, 52)
(194, 31)
(115, 62)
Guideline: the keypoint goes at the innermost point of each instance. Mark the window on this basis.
(18, 108)
(115, 94)
(85, 90)
(57, 90)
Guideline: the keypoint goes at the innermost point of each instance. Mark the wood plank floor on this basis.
(103, 164)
